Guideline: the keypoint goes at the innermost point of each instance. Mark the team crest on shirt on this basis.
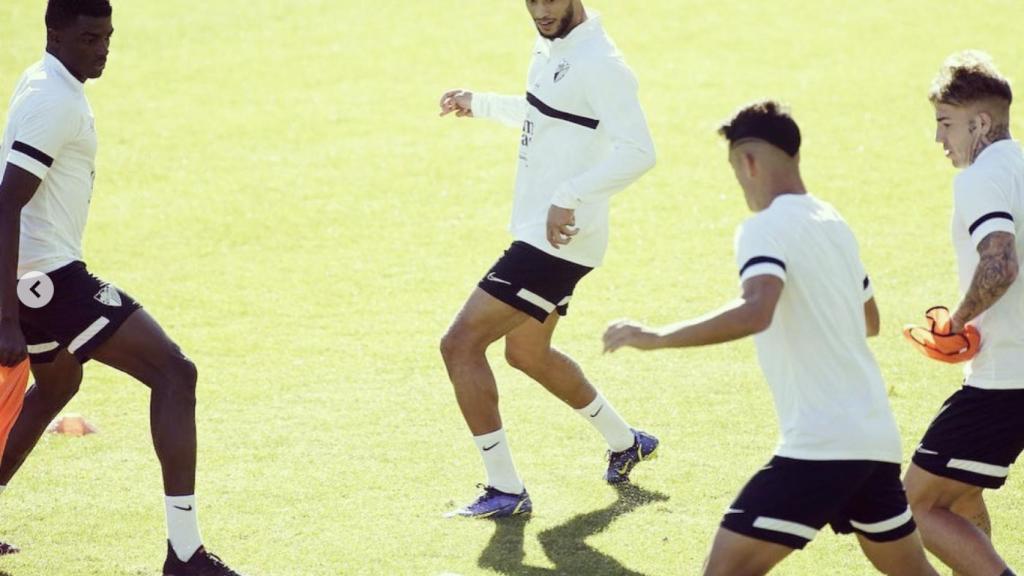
(563, 69)
(109, 296)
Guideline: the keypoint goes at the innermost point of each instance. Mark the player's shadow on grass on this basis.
(565, 545)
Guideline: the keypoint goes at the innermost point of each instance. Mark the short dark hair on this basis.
(968, 77)
(63, 13)
(764, 120)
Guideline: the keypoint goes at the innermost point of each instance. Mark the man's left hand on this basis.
(561, 225)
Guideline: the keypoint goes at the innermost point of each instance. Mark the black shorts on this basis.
(975, 438)
(83, 312)
(790, 500)
(533, 281)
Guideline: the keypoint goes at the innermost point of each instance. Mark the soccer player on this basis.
(979, 432)
(807, 299)
(66, 316)
(584, 138)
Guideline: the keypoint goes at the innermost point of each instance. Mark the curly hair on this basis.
(968, 77)
(62, 13)
(765, 120)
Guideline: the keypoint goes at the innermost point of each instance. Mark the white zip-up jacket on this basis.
(584, 138)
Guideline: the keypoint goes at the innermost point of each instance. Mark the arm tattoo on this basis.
(998, 132)
(997, 269)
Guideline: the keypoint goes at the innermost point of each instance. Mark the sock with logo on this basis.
(501, 471)
(183, 525)
(603, 416)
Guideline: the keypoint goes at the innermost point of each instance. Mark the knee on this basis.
(62, 391)
(527, 360)
(177, 375)
(456, 343)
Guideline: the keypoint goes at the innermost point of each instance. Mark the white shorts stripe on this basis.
(884, 525)
(979, 468)
(565, 300)
(536, 300)
(40, 348)
(777, 525)
(88, 334)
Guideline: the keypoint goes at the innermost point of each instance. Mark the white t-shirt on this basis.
(584, 138)
(988, 196)
(829, 393)
(50, 133)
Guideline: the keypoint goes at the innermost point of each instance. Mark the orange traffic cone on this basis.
(71, 425)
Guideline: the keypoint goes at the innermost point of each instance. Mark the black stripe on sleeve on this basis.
(867, 282)
(568, 117)
(988, 217)
(33, 153)
(762, 260)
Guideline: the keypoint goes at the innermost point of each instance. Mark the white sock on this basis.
(2, 488)
(501, 471)
(183, 525)
(603, 416)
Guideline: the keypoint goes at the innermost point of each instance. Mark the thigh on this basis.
(896, 557)
(64, 371)
(140, 348)
(975, 438)
(733, 553)
(531, 338)
(934, 491)
(484, 319)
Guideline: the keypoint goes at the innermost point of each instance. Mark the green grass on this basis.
(274, 185)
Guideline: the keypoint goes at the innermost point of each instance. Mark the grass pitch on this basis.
(274, 185)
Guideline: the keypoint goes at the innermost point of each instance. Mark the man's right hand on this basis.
(458, 101)
(12, 343)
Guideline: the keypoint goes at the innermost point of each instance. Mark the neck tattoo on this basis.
(997, 133)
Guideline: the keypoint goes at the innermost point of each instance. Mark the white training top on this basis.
(584, 138)
(50, 133)
(988, 196)
(829, 393)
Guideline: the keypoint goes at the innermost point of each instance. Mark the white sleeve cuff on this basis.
(869, 289)
(763, 265)
(28, 164)
(995, 222)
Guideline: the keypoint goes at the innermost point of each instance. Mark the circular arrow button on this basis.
(35, 289)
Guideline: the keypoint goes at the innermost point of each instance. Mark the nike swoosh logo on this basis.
(923, 450)
(188, 509)
(594, 415)
(733, 511)
(487, 448)
(494, 278)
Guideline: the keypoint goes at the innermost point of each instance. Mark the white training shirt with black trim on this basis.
(988, 197)
(584, 138)
(50, 132)
(828, 390)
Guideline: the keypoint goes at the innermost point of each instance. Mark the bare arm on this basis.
(750, 314)
(874, 321)
(16, 188)
(997, 269)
